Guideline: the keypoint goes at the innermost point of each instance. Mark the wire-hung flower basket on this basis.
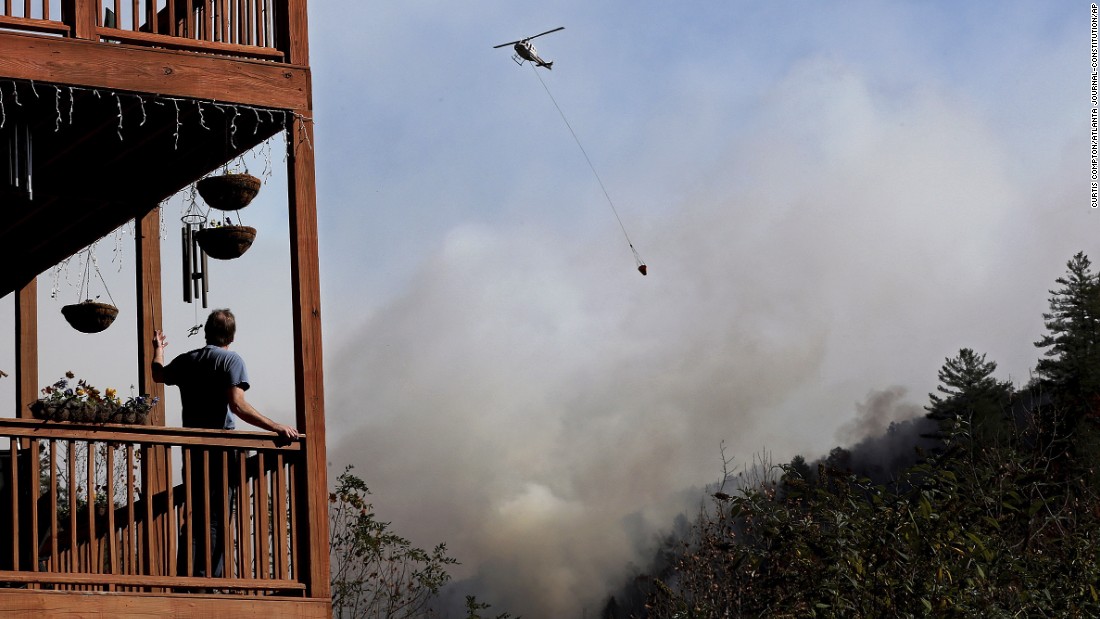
(228, 192)
(89, 315)
(226, 242)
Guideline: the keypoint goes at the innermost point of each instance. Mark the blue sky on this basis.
(831, 198)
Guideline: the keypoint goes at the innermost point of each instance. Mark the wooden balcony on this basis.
(115, 105)
(135, 539)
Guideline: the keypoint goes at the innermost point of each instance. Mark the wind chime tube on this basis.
(205, 279)
(13, 149)
(29, 165)
(196, 274)
(27, 162)
(185, 244)
(12, 165)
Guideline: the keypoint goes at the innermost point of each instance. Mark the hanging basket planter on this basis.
(228, 192)
(226, 242)
(90, 316)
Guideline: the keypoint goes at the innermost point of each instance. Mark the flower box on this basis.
(84, 403)
(88, 412)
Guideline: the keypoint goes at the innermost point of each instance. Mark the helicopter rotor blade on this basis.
(529, 38)
(547, 32)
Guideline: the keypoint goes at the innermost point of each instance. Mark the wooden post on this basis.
(308, 375)
(26, 346)
(147, 244)
(81, 17)
(292, 33)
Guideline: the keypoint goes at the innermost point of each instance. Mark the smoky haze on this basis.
(533, 401)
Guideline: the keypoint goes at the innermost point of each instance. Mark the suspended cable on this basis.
(637, 259)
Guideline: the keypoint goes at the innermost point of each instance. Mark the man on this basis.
(212, 381)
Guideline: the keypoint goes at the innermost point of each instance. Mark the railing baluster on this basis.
(244, 517)
(278, 508)
(189, 514)
(148, 528)
(74, 564)
(173, 532)
(112, 545)
(226, 536)
(54, 537)
(131, 524)
(225, 9)
(13, 486)
(295, 551)
(263, 554)
(93, 545)
(208, 566)
(36, 493)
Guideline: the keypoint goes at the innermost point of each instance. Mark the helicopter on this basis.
(526, 51)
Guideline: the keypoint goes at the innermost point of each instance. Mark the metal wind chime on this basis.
(219, 239)
(196, 283)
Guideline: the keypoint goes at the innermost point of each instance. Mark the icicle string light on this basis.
(283, 120)
(118, 102)
(202, 119)
(57, 107)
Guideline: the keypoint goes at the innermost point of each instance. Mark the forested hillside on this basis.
(995, 513)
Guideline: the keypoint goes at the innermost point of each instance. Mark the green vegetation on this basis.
(377, 574)
(1001, 518)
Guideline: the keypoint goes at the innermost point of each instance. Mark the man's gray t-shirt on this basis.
(204, 377)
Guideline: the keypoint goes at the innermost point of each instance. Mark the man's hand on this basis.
(160, 341)
(288, 432)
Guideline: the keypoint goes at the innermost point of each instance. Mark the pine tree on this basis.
(1070, 367)
(971, 393)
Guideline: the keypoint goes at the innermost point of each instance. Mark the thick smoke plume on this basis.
(534, 402)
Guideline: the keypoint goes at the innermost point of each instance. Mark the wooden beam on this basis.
(308, 375)
(147, 245)
(165, 72)
(148, 280)
(26, 347)
(33, 604)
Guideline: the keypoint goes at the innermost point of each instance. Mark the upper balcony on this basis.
(108, 107)
(245, 28)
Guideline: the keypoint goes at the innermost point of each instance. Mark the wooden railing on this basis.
(109, 508)
(42, 16)
(246, 28)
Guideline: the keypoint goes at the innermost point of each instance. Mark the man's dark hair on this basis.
(221, 326)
